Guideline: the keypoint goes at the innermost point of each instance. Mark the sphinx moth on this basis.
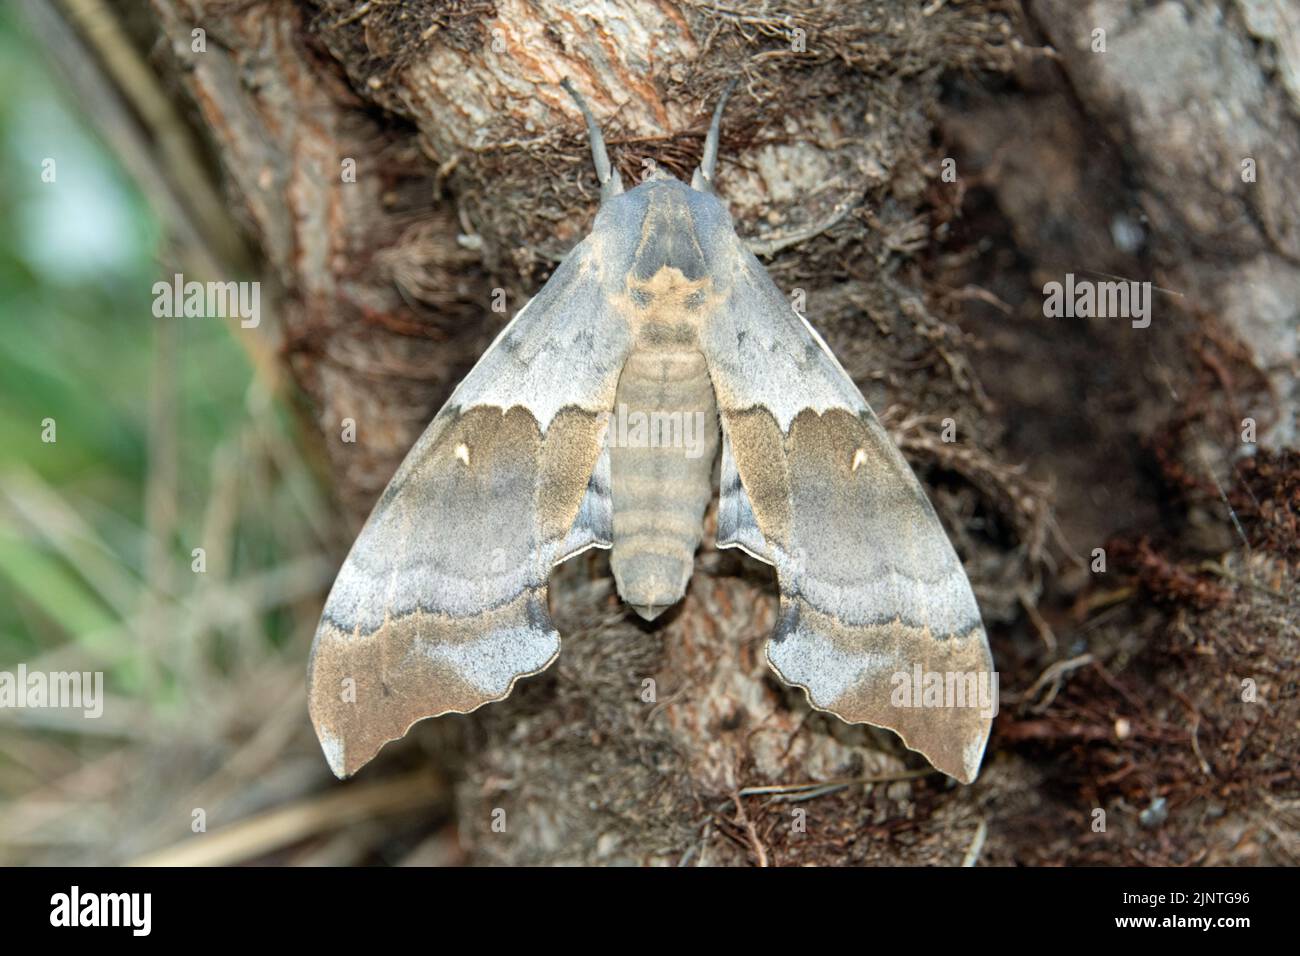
(441, 605)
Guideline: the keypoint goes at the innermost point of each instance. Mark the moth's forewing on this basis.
(874, 602)
(441, 605)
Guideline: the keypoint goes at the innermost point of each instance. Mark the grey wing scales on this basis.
(441, 604)
(870, 585)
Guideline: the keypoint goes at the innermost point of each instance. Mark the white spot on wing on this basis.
(462, 453)
(859, 458)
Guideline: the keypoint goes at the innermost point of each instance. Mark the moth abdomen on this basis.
(663, 437)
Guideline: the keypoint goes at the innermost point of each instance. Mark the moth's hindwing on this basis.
(871, 589)
(441, 604)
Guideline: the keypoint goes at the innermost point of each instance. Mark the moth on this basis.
(441, 605)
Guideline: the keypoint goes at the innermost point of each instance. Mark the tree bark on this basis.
(472, 175)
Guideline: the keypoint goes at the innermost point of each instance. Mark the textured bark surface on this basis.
(473, 176)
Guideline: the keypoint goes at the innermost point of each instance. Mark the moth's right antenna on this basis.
(610, 183)
(703, 178)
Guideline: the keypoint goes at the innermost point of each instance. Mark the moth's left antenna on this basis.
(703, 178)
(610, 183)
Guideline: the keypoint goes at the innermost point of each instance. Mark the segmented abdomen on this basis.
(663, 438)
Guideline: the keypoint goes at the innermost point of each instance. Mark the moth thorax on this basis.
(663, 438)
(666, 309)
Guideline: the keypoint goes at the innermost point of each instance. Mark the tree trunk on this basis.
(472, 175)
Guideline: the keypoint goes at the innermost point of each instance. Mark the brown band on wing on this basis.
(369, 689)
(757, 440)
(567, 457)
(870, 585)
(441, 605)
(882, 675)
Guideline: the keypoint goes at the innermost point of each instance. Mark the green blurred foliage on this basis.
(80, 346)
